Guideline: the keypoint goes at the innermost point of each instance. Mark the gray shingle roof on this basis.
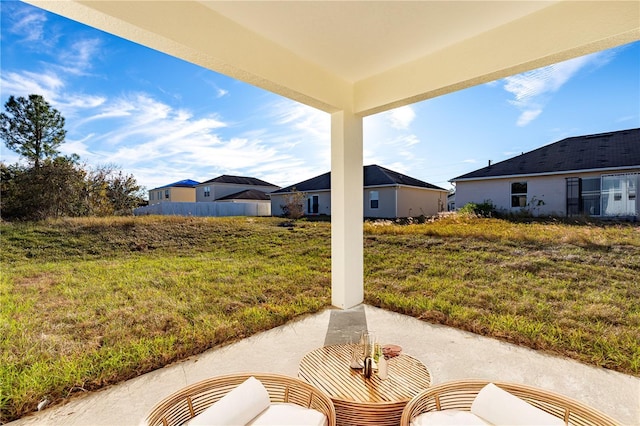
(239, 180)
(249, 194)
(374, 175)
(590, 152)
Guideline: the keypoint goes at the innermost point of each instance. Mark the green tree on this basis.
(52, 185)
(32, 128)
(54, 189)
(124, 193)
(110, 191)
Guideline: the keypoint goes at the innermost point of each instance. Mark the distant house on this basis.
(183, 191)
(595, 175)
(223, 196)
(387, 194)
(451, 201)
(222, 187)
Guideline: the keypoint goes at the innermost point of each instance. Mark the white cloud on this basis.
(53, 88)
(530, 85)
(27, 23)
(389, 141)
(78, 147)
(300, 132)
(23, 84)
(401, 118)
(394, 150)
(144, 131)
(149, 138)
(531, 90)
(528, 116)
(78, 58)
(311, 122)
(219, 91)
(139, 118)
(627, 118)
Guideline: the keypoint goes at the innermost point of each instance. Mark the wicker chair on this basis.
(190, 401)
(459, 395)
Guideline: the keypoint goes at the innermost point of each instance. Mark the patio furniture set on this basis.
(328, 391)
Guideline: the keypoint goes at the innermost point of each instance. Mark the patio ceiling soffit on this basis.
(527, 36)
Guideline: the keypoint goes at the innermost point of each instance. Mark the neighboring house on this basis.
(181, 191)
(387, 194)
(595, 175)
(226, 185)
(451, 202)
(223, 196)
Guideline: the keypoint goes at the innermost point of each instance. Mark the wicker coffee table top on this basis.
(328, 369)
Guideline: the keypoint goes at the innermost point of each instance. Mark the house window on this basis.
(618, 196)
(519, 194)
(590, 196)
(207, 191)
(159, 195)
(166, 194)
(151, 196)
(373, 199)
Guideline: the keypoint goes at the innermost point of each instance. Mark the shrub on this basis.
(484, 209)
(293, 208)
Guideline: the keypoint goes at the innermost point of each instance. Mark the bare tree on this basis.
(293, 208)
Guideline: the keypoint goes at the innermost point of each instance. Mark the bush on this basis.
(294, 205)
(484, 209)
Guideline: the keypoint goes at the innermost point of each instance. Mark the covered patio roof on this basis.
(356, 58)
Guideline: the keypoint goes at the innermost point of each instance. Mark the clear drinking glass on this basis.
(356, 353)
(368, 341)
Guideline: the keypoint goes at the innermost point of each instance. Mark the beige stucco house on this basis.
(592, 175)
(183, 191)
(387, 194)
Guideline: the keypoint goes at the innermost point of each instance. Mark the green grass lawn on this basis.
(89, 302)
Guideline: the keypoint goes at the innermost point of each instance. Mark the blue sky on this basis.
(163, 119)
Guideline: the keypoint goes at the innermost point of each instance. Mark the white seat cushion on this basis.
(287, 414)
(499, 407)
(238, 407)
(448, 418)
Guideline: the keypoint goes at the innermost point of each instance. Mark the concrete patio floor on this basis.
(449, 353)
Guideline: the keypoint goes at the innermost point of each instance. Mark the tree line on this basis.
(47, 184)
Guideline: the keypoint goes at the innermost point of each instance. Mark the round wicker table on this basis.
(361, 401)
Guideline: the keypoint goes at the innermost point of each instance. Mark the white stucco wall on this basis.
(386, 202)
(324, 202)
(551, 190)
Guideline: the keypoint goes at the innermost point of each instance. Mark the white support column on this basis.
(347, 287)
